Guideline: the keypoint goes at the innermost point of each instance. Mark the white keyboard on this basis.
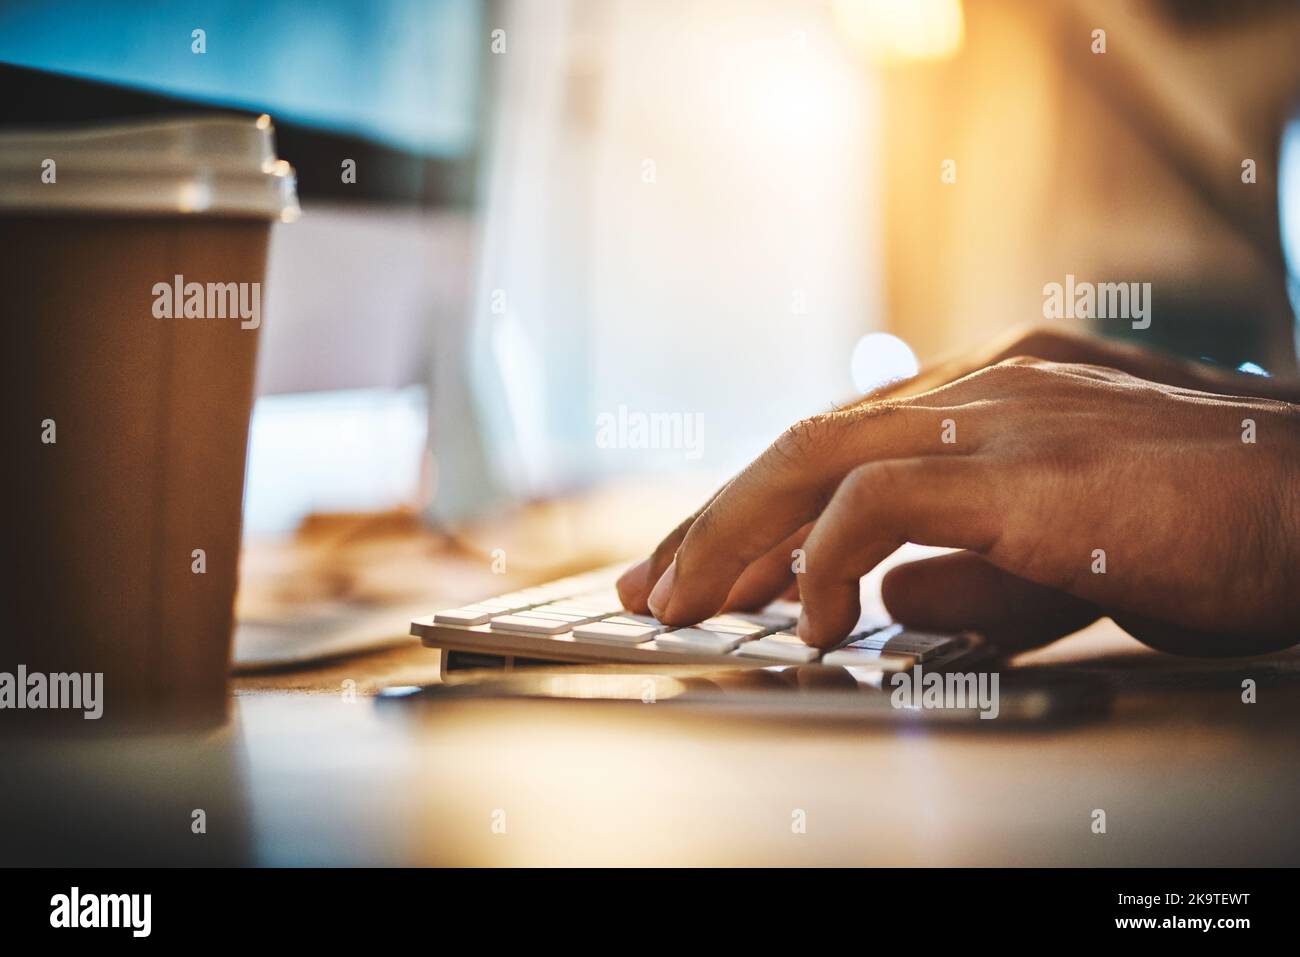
(581, 620)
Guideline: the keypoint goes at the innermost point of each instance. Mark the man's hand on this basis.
(1057, 345)
(1072, 490)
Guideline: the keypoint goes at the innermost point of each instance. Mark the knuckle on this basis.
(1039, 341)
(701, 528)
(805, 438)
(1020, 362)
(1018, 370)
(693, 545)
(870, 483)
(700, 550)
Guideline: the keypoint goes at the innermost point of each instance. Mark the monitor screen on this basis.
(398, 72)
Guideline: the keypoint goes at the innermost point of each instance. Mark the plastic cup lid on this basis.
(204, 166)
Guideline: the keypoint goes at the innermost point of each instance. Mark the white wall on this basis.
(734, 285)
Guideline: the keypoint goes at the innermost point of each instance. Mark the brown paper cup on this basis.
(130, 442)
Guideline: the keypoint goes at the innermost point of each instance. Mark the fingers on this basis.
(782, 490)
(634, 585)
(963, 592)
(1057, 346)
(768, 578)
(931, 501)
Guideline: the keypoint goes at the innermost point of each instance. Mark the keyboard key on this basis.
(603, 599)
(572, 612)
(920, 654)
(866, 658)
(640, 619)
(922, 646)
(769, 620)
(874, 637)
(514, 602)
(732, 626)
(790, 610)
(779, 647)
(532, 624)
(502, 606)
(637, 622)
(921, 651)
(467, 616)
(697, 641)
(915, 641)
(604, 608)
(605, 633)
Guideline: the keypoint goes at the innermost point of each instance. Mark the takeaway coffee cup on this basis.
(131, 276)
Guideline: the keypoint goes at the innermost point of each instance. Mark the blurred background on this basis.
(737, 212)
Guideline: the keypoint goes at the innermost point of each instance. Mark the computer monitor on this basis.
(377, 107)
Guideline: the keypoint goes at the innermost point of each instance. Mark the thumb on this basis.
(961, 591)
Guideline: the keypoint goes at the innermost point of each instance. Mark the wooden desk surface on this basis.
(1186, 773)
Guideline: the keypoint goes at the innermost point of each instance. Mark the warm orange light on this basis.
(895, 31)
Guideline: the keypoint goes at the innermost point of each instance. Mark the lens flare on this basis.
(879, 358)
